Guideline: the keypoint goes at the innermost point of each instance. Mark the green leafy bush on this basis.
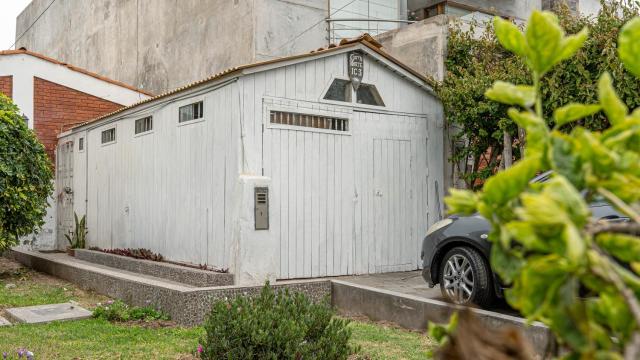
(121, 312)
(274, 326)
(25, 177)
(545, 242)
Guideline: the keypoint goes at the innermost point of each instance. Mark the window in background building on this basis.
(81, 144)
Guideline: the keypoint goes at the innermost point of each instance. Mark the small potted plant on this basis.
(77, 237)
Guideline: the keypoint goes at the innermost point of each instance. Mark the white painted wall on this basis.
(175, 190)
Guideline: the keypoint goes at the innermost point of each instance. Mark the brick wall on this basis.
(6, 85)
(56, 106)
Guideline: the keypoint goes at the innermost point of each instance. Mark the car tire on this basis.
(465, 277)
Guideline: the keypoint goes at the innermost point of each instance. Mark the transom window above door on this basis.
(341, 90)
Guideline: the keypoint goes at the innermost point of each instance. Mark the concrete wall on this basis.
(159, 45)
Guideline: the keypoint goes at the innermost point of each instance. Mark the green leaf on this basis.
(461, 201)
(573, 112)
(613, 107)
(510, 37)
(536, 129)
(565, 160)
(506, 93)
(571, 44)
(525, 234)
(575, 244)
(544, 36)
(507, 185)
(629, 46)
(624, 247)
(505, 264)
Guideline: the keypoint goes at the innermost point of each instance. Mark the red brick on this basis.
(6, 85)
(57, 106)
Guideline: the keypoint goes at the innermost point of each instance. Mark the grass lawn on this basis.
(99, 339)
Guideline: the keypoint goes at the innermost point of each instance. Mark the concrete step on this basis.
(62, 261)
(4, 322)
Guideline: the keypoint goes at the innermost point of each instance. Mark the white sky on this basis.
(9, 10)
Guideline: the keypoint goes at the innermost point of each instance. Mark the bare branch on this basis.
(616, 228)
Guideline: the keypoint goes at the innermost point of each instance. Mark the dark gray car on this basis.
(456, 253)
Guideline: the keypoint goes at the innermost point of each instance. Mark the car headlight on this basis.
(439, 225)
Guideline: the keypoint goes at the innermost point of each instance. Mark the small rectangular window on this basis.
(312, 121)
(191, 112)
(109, 135)
(144, 125)
(81, 144)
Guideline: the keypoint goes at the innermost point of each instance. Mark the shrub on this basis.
(274, 325)
(119, 311)
(25, 177)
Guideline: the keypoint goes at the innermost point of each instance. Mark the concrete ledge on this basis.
(177, 273)
(415, 313)
(186, 305)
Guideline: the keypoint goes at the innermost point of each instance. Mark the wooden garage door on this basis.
(310, 161)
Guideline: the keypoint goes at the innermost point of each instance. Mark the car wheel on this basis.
(465, 277)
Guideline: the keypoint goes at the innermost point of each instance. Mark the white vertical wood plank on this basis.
(331, 203)
(293, 204)
(322, 210)
(316, 217)
(300, 204)
(307, 181)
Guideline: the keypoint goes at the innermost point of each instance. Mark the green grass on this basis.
(377, 341)
(99, 339)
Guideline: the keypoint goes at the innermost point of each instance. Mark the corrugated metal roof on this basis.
(366, 40)
(73, 68)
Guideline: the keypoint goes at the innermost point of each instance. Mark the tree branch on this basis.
(616, 228)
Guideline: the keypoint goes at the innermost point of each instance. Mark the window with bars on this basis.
(143, 125)
(191, 112)
(109, 136)
(310, 121)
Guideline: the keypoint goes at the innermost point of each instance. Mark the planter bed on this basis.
(164, 270)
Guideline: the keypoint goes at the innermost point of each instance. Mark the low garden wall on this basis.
(186, 305)
(163, 270)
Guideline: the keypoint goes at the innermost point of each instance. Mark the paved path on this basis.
(412, 283)
(409, 282)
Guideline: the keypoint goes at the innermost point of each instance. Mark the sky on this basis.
(9, 10)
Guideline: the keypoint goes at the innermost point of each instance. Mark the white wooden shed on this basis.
(354, 178)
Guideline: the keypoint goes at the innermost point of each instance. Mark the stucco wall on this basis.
(159, 45)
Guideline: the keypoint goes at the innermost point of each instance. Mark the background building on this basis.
(160, 45)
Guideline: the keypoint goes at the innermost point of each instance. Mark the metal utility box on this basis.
(262, 208)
